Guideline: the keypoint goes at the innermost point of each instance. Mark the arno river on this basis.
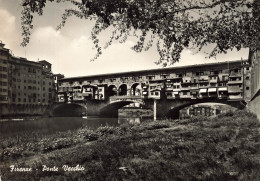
(55, 124)
(95, 122)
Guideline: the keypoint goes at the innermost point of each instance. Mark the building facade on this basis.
(4, 67)
(254, 104)
(223, 80)
(56, 78)
(27, 87)
(254, 58)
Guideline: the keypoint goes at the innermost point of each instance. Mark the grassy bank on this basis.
(15, 136)
(222, 148)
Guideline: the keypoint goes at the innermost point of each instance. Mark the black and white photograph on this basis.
(122, 90)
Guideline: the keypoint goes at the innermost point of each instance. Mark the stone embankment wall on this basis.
(254, 106)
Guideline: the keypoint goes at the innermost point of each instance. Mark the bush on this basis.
(151, 125)
(110, 130)
(91, 136)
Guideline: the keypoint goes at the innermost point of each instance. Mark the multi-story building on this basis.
(222, 80)
(32, 82)
(4, 59)
(24, 84)
(57, 77)
(254, 60)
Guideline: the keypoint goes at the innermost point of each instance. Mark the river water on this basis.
(95, 122)
(49, 125)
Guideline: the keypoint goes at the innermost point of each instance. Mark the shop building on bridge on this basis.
(223, 80)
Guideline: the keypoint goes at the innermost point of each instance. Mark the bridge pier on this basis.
(154, 109)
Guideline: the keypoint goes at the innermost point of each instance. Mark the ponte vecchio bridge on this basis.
(164, 90)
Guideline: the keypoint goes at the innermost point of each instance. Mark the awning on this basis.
(212, 89)
(234, 89)
(222, 89)
(203, 90)
(175, 93)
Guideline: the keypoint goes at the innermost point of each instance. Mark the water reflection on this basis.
(129, 120)
(95, 122)
(132, 120)
(49, 125)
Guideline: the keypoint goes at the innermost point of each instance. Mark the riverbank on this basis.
(223, 148)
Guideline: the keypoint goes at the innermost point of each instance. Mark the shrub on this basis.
(91, 135)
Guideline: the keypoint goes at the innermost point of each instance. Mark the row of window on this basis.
(30, 81)
(29, 69)
(3, 98)
(3, 83)
(29, 100)
(3, 68)
(194, 85)
(3, 90)
(31, 88)
(3, 61)
(3, 75)
(223, 78)
(32, 76)
(31, 95)
(196, 74)
(32, 70)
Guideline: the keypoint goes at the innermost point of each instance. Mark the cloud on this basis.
(72, 55)
(8, 32)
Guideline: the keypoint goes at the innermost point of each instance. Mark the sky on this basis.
(70, 49)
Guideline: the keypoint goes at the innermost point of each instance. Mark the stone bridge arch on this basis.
(173, 110)
(111, 110)
(135, 89)
(69, 110)
(122, 90)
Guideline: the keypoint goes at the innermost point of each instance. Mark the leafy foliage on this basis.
(174, 24)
